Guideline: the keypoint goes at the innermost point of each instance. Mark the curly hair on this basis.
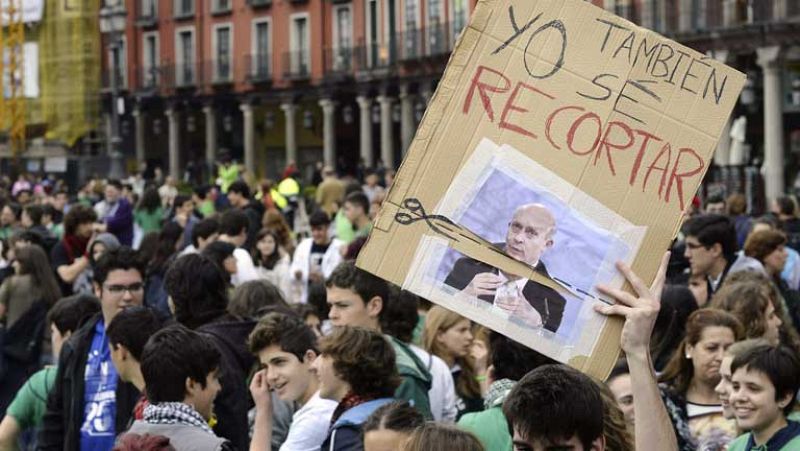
(255, 298)
(77, 215)
(747, 301)
(198, 290)
(364, 359)
(762, 243)
(289, 332)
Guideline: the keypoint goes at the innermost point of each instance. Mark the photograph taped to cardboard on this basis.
(558, 231)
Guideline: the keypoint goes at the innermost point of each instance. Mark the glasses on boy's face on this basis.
(119, 290)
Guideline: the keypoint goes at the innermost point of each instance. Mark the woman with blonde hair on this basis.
(692, 374)
(448, 336)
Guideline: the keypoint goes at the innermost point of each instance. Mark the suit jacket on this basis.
(544, 299)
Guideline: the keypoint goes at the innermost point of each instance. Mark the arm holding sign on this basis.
(653, 428)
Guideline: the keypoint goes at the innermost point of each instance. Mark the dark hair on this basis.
(48, 210)
(303, 311)
(70, 312)
(399, 315)
(15, 208)
(179, 200)
(395, 416)
(167, 241)
(679, 371)
(77, 215)
(115, 183)
(241, 188)
(318, 297)
(715, 199)
(123, 258)
(132, 327)
(150, 200)
(35, 212)
(348, 277)
(198, 290)
(233, 221)
(512, 360)
(769, 220)
(289, 332)
(217, 252)
(358, 199)
(201, 191)
(555, 402)
(780, 364)
(677, 303)
(710, 229)
(255, 298)
(319, 218)
(620, 368)
(786, 205)
(204, 229)
(267, 261)
(33, 260)
(364, 359)
(762, 243)
(172, 355)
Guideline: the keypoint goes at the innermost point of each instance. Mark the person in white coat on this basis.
(315, 258)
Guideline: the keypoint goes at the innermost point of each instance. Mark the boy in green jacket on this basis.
(765, 381)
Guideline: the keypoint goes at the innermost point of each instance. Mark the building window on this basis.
(184, 8)
(411, 37)
(261, 67)
(436, 28)
(372, 32)
(222, 52)
(343, 37)
(148, 8)
(220, 6)
(185, 67)
(300, 60)
(150, 60)
(460, 12)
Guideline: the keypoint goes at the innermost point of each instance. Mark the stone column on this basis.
(211, 138)
(173, 119)
(249, 144)
(406, 117)
(139, 123)
(387, 140)
(289, 110)
(328, 131)
(685, 15)
(722, 157)
(365, 117)
(769, 59)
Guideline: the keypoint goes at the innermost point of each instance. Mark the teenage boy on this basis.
(239, 197)
(510, 362)
(180, 369)
(710, 248)
(29, 404)
(203, 234)
(184, 216)
(356, 368)
(764, 387)
(89, 405)
(356, 209)
(127, 335)
(356, 298)
(317, 256)
(287, 348)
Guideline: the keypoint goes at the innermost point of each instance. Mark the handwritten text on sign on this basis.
(658, 164)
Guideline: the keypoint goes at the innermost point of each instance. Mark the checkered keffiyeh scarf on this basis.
(497, 392)
(175, 413)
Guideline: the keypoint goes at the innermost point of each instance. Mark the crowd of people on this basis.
(144, 315)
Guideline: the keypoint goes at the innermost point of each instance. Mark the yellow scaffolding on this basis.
(11, 44)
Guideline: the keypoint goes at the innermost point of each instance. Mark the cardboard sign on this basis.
(560, 140)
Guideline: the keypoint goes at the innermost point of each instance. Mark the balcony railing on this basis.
(297, 65)
(219, 71)
(147, 78)
(120, 79)
(183, 75)
(259, 3)
(147, 14)
(259, 67)
(339, 61)
(184, 9)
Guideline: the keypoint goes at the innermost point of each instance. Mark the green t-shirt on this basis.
(741, 442)
(206, 208)
(490, 426)
(344, 228)
(149, 221)
(30, 404)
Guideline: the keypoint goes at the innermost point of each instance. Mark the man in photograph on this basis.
(530, 234)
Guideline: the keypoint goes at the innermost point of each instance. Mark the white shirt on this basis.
(310, 425)
(245, 269)
(442, 395)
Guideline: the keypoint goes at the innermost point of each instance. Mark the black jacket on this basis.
(255, 212)
(547, 301)
(61, 428)
(233, 401)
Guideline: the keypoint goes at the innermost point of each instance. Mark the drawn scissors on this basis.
(413, 211)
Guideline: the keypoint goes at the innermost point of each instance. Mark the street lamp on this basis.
(113, 19)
